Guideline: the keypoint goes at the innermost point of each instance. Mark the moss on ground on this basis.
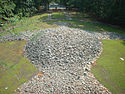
(15, 69)
(110, 69)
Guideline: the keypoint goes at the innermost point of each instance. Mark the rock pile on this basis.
(27, 35)
(63, 45)
(64, 56)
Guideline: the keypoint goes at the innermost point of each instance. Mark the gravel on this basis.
(27, 35)
(64, 55)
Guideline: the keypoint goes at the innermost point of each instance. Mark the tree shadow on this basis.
(123, 42)
(43, 18)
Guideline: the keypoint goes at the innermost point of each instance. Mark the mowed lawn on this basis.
(15, 69)
(58, 15)
(110, 69)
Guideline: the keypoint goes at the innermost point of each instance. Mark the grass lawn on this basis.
(110, 69)
(83, 21)
(90, 26)
(80, 16)
(58, 15)
(15, 69)
(36, 23)
(89, 23)
(31, 24)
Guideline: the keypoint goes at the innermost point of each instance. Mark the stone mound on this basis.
(62, 46)
(64, 57)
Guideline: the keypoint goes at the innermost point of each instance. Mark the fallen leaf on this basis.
(40, 74)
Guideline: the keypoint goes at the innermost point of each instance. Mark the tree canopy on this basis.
(108, 10)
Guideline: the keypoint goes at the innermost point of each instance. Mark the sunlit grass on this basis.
(32, 27)
(28, 24)
(110, 69)
(15, 69)
(90, 26)
(58, 15)
(38, 22)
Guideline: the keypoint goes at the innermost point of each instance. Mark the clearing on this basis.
(16, 69)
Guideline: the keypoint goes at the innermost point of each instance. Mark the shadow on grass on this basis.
(58, 15)
(123, 42)
(90, 26)
(43, 18)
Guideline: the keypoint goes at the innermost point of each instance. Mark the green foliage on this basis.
(6, 8)
(33, 23)
(107, 10)
(21, 8)
(25, 7)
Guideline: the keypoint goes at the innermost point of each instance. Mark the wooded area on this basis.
(107, 10)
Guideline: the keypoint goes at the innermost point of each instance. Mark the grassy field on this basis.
(91, 26)
(37, 22)
(85, 22)
(58, 15)
(32, 24)
(110, 69)
(15, 69)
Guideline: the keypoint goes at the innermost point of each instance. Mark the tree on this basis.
(108, 10)
(6, 8)
(25, 7)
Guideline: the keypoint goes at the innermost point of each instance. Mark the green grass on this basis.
(91, 26)
(110, 70)
(15, 69)
(28, 20)
(36, 23)
(31, 23)
(80, 16)
(88, 23)
(32, 27)
(58, 15)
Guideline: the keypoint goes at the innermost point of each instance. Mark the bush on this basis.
(6, 8)
(25, 8)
